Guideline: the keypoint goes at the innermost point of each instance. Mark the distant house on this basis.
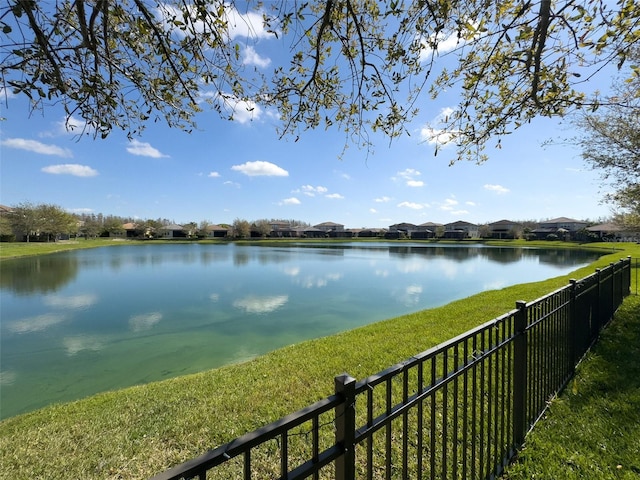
(614, 233)
(130, 230)
(461, 229)
(330, 227)
(504, 229)
(565, 228)
(314, 232)
(372, 233)
(216, 231)
(400, 230)
(172, 231)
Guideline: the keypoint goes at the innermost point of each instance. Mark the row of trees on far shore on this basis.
(49, 223)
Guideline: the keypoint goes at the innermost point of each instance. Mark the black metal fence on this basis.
(457, 411)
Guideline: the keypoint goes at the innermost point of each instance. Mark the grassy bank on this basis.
(592, 431)
(139, 431)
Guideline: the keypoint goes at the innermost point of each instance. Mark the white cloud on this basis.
(213, 175)
(239, 110)
(251, 57)
(260, 168)
(71, 169)
(68, 126)
(382, 200)
(290, 201)
(409, 175)
(334, 196)
(144, 149)
(36, 147)
(249, 25)
(243, 110)
(436, 133)
(415, 183)
(449, 204)
(373, 210)
(447, 42)
(411, 205)
(311, 191)
(499, 189)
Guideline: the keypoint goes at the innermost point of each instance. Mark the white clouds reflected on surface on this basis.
(72, 302)
(38, 323)
(76, 344)
(261, 304)
(145, 321)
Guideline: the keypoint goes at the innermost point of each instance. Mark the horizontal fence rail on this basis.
(459, 410)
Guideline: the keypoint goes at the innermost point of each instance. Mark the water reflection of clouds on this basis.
(412, 267)
(214, 297)
(313, 281)
(261, 304)
(72, 302)
(37, 323)
(145, 321)
(77, 344)
(410, 295)
(7, 378)
(292, 271)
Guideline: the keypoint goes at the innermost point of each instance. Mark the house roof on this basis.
(563, 220)
(504, 222)
(329, 224)
(431, 224)
(211, 228)
(172, 227)
(460, 223)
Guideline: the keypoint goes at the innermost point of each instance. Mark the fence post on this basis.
(345, 422)
(573, 327)
(520, 375)
(598, 304)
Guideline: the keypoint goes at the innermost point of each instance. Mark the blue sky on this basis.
(241, 169)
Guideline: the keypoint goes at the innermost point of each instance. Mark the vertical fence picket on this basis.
(520, 374)
(345, 427)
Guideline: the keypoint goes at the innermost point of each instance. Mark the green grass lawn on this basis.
(140, 431)
(592, 431)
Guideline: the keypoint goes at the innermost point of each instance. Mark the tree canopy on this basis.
(610, 142)
(361, 66)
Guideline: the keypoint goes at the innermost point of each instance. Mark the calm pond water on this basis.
(86, 321)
